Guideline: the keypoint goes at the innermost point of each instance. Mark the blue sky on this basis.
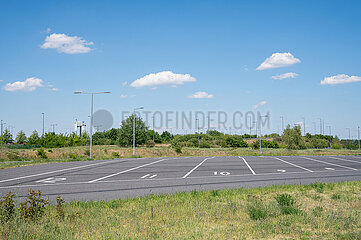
(220, 44)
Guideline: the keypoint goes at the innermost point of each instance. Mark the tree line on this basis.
(123, 136)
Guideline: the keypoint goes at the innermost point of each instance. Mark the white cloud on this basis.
(286, 75)
(54, 89)
(124, 84)
(67, 44)
(163, 78)
(259, 104)
(201, 95)
(123, 96)
(1, 80)
(48, 30)
(278, 60)
(29, 85)
(340, 79)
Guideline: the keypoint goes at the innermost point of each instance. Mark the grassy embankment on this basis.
(316, 211)
(22, 157)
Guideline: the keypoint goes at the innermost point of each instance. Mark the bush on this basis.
(285, 200)
(257, 211)
(204, 144)
(59, 207)
(41, 153)
(319, 187)
(115, 154)
(150, 143)
(336, 146)
(34, 206)
(286, 204)
(87, 152)
(178, 149)
(7, 207)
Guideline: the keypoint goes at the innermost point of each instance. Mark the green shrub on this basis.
(204, 144)
(50, 150)
(257, 212)
(87, 152)
(73, 155)
(285, 199)
(59, 207)
(115, 154)
(336, 146)
(319, 187)
(336, 196)
(13, 156)
(34, 206)
(150, 143)
(7, 207)
(41, 153)
(178, 149)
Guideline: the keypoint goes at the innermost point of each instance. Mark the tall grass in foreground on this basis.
(275, 212)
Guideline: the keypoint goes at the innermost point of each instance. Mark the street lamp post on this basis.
(304, 126)
(134, 128)
(329, 127)
(197, 126)
(43, 122)
(2, 132)
(358, 135)
(153, 128)
(91, 117)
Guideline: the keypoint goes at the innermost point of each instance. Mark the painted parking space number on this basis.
(222, 173)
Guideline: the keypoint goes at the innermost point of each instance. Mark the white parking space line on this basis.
(128, 170)
(295, 165)
(249, 167)
(346, 160)
(330, 163)
(56, 171)
(188, 173)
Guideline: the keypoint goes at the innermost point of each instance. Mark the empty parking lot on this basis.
(122, 178)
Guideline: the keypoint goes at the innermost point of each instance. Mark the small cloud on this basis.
(248, 92)
(67, 44)
(29, 85)
(48, 30)
(278, 60)
(124, 84)
(54, 89)
(201, 95)
(286, 75)
(123, 96)
(163, 78)
(259, 104)
(245, 69)
(1, 80)
(340, 79)
(154, 88)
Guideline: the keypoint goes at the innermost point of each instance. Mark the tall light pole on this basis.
(91, 117)
(134, 128)
(320, 125)
(314, 124)
(197, 126)
(153, 128)
(54, 125)
(250, 126)
(304, 126)
(2, 132)
(358, 135)
(43, 122)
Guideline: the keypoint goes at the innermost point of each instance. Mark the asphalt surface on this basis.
(124, 178)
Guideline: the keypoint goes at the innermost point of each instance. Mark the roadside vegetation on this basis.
(116, 143)
(315, 211)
